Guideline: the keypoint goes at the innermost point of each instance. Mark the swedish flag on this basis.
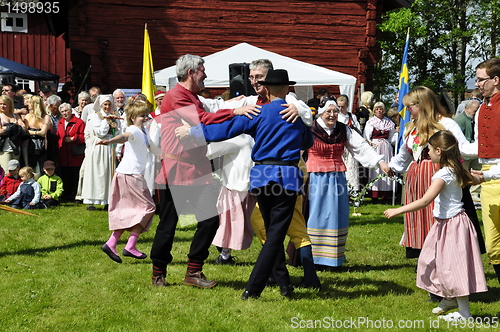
(404, 88)
(148, 78)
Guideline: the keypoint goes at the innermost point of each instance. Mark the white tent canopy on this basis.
(305, 74)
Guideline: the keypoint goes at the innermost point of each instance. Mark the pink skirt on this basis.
(450, 262)
(235, 230)
(130, 202)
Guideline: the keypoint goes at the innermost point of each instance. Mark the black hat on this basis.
(277, 77)
(46, 88)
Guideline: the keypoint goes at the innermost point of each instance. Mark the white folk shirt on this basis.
(449, 201)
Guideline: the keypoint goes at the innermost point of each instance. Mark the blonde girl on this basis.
(426, 112)
(39, 123)
(131, 206)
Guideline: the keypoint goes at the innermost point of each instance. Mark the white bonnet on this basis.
(101, 99)
(327, 104)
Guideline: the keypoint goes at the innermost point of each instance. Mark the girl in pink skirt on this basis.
(131, 206)
(450, 262)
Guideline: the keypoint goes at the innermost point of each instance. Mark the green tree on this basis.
(446, 37)
(486, 18)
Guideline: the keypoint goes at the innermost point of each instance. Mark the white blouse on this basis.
(449, 201)
(403, 159)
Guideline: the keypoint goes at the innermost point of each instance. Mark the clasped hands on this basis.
(478, 177)
(386, 169)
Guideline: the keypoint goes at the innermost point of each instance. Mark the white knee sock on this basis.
(463, 306)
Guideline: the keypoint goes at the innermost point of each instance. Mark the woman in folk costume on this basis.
(350, 120)
(381, 131)
(428, 117)
(99, 161)
(328, 197)
(235, 204)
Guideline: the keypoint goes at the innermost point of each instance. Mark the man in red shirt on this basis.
(186, 173)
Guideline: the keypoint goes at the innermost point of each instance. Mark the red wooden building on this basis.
(36, 39)
(107, 35)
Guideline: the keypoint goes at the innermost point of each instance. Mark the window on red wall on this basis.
(12, 22)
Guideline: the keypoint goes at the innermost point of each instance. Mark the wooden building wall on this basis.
(339, 35)
(38, 48)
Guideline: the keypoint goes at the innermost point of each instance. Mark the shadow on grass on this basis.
(347, 288)
(352, 288)
(489, 275)
(490, 296)
(34, 251)
(235, 284)
(95, 244)
(374, 219)
(367, 268)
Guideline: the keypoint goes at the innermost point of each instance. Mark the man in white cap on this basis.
(158, 99)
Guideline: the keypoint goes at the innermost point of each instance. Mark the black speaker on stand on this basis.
(238, 80)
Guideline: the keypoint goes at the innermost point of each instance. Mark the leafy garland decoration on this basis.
(357, 197)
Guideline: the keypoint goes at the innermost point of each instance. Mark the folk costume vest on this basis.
(328, 149)
(488, 128)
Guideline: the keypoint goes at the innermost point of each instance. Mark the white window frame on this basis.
(15, 17)
(24, 83)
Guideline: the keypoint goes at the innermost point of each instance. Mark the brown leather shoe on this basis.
(159, 281)
(198, 279)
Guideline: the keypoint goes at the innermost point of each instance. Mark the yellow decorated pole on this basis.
(148, 79)
(13, 210)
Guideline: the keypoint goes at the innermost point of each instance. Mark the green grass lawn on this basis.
(54, 277)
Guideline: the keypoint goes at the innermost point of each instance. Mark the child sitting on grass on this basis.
(51, 185)
(450, 263)
(10, 181)
(27, 195)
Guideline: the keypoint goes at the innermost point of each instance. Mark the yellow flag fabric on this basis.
(148, 79)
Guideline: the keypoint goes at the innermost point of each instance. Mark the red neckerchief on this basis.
(350, 123)
(261, 101)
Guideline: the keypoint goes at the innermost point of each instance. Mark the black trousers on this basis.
(276, 205)
(173, 199)
(70, 176)
(470, 210)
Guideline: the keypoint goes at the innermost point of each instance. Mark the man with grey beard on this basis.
(119, 98)
(186, 173)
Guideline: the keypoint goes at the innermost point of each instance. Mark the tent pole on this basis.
(81, 85)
